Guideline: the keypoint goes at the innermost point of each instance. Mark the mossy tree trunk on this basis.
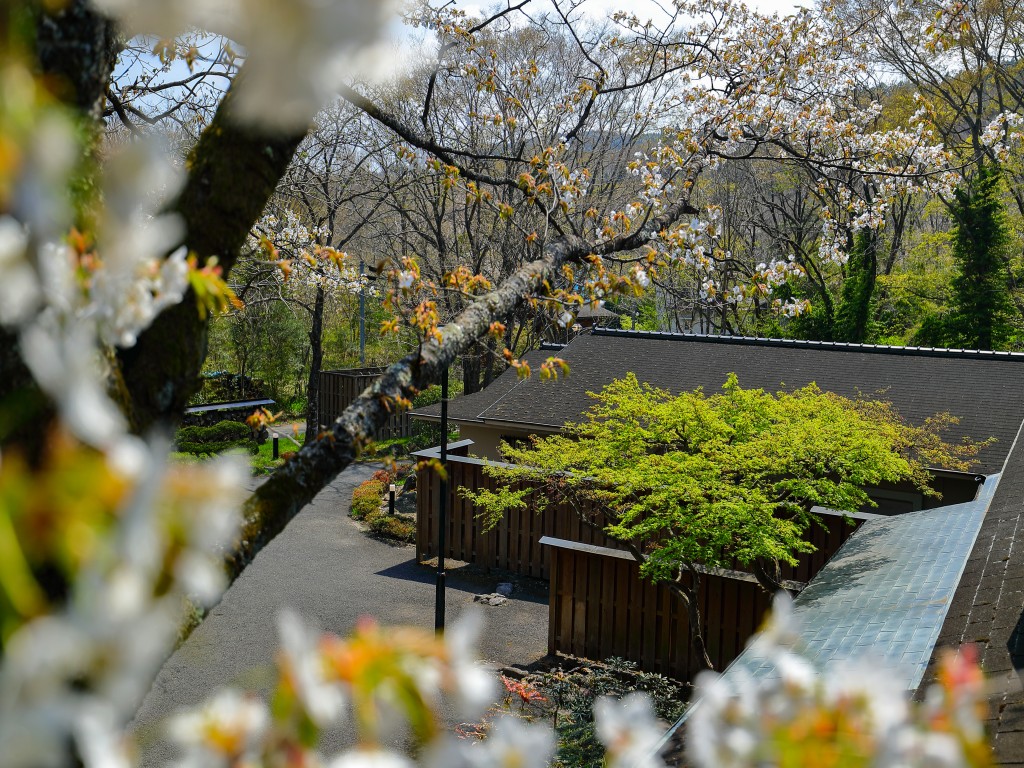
(854, 314)
(316, 361)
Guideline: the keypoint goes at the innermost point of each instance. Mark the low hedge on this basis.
(199, 449)
(222, 431)
(366, 498)
(218, 438)
(391, 526)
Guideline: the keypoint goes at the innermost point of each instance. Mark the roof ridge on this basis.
(841, 346)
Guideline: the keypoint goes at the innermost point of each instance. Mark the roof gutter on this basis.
(977, 477)
(972, 354)
(478, 422)
(451, 419)
(550, 428)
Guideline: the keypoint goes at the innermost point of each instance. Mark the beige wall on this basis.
(486, 438)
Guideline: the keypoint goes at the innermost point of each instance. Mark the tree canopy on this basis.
(699, 480)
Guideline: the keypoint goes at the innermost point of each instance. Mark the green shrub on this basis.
(366, 498)
(391, 526)
(428, 396)
(200, 449)
(218, 438)
(222, 431)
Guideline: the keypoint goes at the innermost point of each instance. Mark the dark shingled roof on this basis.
(466, 407)
(985, 390)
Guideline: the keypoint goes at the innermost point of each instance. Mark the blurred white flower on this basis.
(510, 743)
(743, 722)
(65, 364)
(475, 686)
(783, 630)
(629, 730)
(101, 742)
(304, 668)
(229, 725)
(19, 287)
(136, 279)
(514, 743)
(370, 758)
(297, 53)
(41, 199)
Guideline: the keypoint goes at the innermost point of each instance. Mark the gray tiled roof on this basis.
(887, 591)
(986, 390)
(987, 611)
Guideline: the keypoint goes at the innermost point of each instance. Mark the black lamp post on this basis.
(442, 509)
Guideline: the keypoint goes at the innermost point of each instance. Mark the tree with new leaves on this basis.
(299, 249)
(521, 127)
(981, 312)
(963, 61)
(695, 481)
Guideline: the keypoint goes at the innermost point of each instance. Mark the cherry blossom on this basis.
(629, 731)
(296, 53)
(859, 710)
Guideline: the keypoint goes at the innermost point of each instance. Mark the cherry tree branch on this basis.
(233, 171)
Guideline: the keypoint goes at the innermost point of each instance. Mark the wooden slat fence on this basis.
(339, 388)
(513, 545)
(600, 607)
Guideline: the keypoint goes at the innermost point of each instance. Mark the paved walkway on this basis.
(324, 566)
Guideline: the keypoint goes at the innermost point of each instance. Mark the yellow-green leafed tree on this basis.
(694, 479)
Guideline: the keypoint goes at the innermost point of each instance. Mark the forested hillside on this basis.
(869, 189)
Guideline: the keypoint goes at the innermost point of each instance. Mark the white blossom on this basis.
(629, 730)
(302, 663)
(370, 758)
(475, 686)
(510, 743)
(19, 286)
(296, 53)
(64, 362)
(229, 726)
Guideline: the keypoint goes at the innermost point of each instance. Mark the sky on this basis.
(651, 9)
(643, 8)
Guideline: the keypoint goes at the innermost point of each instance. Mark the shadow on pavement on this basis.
(468, 578)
